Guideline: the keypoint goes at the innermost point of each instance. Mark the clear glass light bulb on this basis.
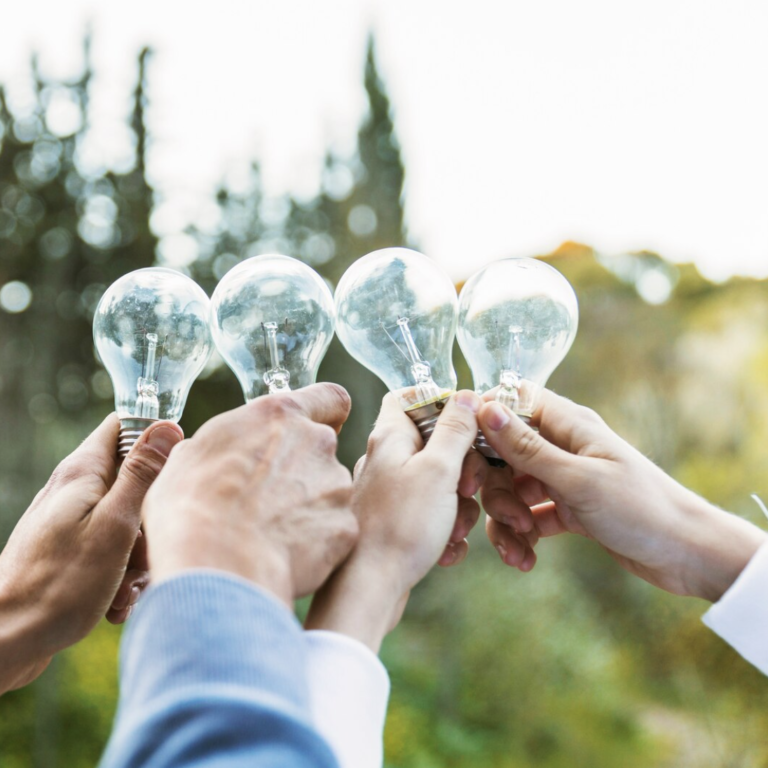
(151, 332)
(272, 320)
(517, 321)
(396, 314)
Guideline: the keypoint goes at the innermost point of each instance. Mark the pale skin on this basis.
(411, 514)
(258, 493)
(578, 476)
(77, 554)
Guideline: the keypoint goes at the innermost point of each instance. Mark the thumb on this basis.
(455, 431)
(523, 448)
(121, 507)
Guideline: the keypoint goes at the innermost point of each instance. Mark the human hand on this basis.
(77, 552)
(258, 492)
(408, 507)
(581, 477)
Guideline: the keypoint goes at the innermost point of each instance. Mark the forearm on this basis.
(220, 666)
(362, 601)
(21, 659)
(719, 547)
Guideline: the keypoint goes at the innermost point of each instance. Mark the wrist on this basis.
(19, 630)
(262, 565)
(722, 545)
(361, 601)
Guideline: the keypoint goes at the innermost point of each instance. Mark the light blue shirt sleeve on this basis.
(213, 675)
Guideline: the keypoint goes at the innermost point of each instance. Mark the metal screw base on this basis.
(130, 432)
(425, 417)
(482, 447)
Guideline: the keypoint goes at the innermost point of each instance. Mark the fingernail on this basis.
(130, 611)
(497, 416)
(135, 595)
(502, 550)
(468, 400)
(163, 440)
(508, 521)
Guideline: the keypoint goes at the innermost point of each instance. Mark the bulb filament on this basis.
(276, 378)
(511, 377)
(148, 403)
(421, 370)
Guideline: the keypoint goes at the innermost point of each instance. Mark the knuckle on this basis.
(276, 407)
(359, 465)
(143, 467)
(374, 441)
(529, 444)
(438, 466)
(70, 469)
(457, 427)
(343, 485)
(182, 449)
(493, 504)
(325, 438)
(338, 395)
(81, 467)
(348, 532)
(589, 415)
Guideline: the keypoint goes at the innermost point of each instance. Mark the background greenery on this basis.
(575, 664)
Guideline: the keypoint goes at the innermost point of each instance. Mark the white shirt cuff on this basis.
(348, 695)
(740, 617)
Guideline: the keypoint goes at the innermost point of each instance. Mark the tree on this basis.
(67, 230)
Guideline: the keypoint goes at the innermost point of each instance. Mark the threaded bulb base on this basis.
(130, 432)
(425, 417)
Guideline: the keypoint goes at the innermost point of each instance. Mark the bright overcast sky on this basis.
(626, 126)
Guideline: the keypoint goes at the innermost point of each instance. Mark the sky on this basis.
(625, 126)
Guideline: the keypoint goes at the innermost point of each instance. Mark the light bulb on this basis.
(517, 321)
(272, 319)
(396, 314)
(151, 332)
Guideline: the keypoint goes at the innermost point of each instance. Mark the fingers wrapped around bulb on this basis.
(457, 547)
(515, 549)
(511, 503)
(501, 498)
(473, 473)
(135, 581)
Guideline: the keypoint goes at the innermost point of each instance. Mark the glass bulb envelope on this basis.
(272, 319)
(396, 313)
(151, 332)
(517, 320)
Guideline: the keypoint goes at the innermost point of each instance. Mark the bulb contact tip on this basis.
(130, 432)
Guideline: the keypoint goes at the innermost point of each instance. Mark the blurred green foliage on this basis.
(575, 664)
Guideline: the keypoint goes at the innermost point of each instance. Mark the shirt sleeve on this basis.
(213, 674)
(348, 693)
(740, 617)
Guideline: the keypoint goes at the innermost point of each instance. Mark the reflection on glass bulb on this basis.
(517, 321)
(397, 316)
(272, 320)
(151, 332)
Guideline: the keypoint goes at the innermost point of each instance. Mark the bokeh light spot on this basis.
(43, 408)
(362, 220)
(177, 251)
(15, 297)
